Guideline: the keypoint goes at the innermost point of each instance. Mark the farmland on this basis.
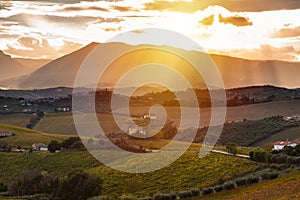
(286, 187)
(290, 134)
(15, 119)
(187, 172)
(26, 137)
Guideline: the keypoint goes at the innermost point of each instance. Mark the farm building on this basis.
(279, 145)
(39, 147)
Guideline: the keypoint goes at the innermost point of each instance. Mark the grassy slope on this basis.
(286, 187)
(290, 134)
(26, 137)
(187, 172)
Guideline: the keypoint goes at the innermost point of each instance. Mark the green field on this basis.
(15, 119)
(26, 137)
(187, 172)
(284, 188)
(290, 134)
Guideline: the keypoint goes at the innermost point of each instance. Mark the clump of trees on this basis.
(35, 120)
(72, 143)
(76, 185)
(289, 155)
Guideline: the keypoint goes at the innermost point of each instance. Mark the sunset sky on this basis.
(252, 29)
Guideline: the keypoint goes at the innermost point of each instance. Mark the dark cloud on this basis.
(207, 21)
(237, 5)
(123, 8)
(286, 32)
(235, 20)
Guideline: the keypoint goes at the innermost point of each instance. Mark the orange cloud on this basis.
(235, 20)
(286, 32)
(207, 21)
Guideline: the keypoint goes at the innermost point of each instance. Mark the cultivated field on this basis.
(290, 134)
(188, 172)
(284, 188)
(26, 137)
(15, 119)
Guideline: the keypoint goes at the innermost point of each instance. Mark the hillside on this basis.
(10, 68)
(284, 188)
(186, 173)
(235, 72)
(25, 137)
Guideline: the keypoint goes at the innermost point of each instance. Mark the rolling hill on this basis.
(10, 68)
(236, 72)
(25, 137)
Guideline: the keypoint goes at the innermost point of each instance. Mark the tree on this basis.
(288, 150)
(297, 150)
(79, 186)
(53, 146)
(231, 147)
(66, 144)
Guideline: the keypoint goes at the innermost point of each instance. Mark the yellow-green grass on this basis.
(283, 188)
(290, 134)
(25, 137)
(188, 172)
(15, 119)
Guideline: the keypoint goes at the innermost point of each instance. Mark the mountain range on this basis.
(236, 72)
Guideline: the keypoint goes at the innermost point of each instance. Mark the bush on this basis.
(163, 197)
(185, 194)
(252, 179)
(207, 191)
(127, 197)
(272, 175)
(297, 160)
(290, 160)
(219, 188)
(229, 186)
(53, 146)
(3, 187)
(195, 192)
(79, 185)
(241, 182)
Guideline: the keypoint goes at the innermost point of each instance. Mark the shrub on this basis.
(145, 198)
(281, 158)
(207, 191)
(252, 179)
(290, 160)
(79, 185)
(127, 197)
(272, 175)
(173, 196)
(219, 188)
(229, 186)
(3, 187)
(195, 192)
(268, 157)
(241, 182)
(297, 160)
(185, 194)
(100, 198)
(163, 197)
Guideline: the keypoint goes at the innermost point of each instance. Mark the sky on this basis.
(251, 29)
